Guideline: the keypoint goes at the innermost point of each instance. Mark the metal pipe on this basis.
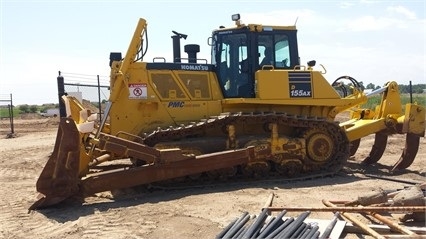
(100, 159)
(305, 231)
(226, 229)
(278, 220)
(405, 236)
(399, 180)
(382, 229)
(392, 224)
(240, 233)
(99, 99)
(280, 228)
(376, 92)
(267, 224)
(12, 127)
(239, 219)
(330, 226)
(237, 227)
(316, 234)
(295, 225)
(352, 209)
(349, 217)
(299, 230)
(257, 224)
(311, 232)
(269, 201)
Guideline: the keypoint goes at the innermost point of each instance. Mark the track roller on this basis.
(289, 168)
(258, 169)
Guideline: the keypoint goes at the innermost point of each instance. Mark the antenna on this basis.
(296, 21)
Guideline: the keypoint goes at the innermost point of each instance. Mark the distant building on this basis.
(50, 113)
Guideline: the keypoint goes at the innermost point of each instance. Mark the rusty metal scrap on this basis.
(392, 225)
(352, 209)
(355, 221)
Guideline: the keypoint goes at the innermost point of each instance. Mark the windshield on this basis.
(273, 50)
(232, 62)
(239, 54)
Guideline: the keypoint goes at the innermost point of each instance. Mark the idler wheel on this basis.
(319, 146)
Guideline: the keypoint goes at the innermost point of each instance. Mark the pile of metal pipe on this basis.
(264, 226)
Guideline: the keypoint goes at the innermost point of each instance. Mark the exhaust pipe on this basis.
(176, 46)
(192, 50)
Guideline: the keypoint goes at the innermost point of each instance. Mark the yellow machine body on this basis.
(232, 116)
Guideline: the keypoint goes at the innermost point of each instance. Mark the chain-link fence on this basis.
(91, 90)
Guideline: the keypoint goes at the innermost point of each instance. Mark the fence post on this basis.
(12, 128)
(61, 92)
(99, 100)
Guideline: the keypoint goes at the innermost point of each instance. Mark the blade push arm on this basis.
(118, 76)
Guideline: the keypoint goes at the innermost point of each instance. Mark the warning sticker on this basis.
(138, 91)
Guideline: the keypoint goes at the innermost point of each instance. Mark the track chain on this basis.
(301, 123)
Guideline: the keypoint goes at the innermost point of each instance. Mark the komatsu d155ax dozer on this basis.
(253, 111)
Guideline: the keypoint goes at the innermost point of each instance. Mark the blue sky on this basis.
(372, 41)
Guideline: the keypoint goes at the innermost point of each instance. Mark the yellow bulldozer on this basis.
(253, 111)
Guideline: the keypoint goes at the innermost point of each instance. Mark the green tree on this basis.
(370, 86)
(24, 108)
(418, 90)
(361, 84)
(33, 108)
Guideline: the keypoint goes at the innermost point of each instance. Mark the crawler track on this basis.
(320, 147)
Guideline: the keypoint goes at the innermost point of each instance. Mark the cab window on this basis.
(273, 50)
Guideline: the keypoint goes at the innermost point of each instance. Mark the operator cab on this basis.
(241, 51)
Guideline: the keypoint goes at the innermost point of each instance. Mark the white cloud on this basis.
(284, 17)
(368, 1)
(370, 23)
(402, 10)
(346, 4)
(366, 64)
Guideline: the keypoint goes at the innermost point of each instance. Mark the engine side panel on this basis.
(161, 98)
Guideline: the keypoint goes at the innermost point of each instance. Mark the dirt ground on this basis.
(200, 212)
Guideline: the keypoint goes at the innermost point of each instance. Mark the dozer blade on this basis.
(379, 146)
(59, 178)
(412, 142)
(130, 177)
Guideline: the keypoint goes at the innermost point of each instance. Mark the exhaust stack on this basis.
(176, 45)
(192, 50)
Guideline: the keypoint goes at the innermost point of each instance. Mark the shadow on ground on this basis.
(71, 210)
